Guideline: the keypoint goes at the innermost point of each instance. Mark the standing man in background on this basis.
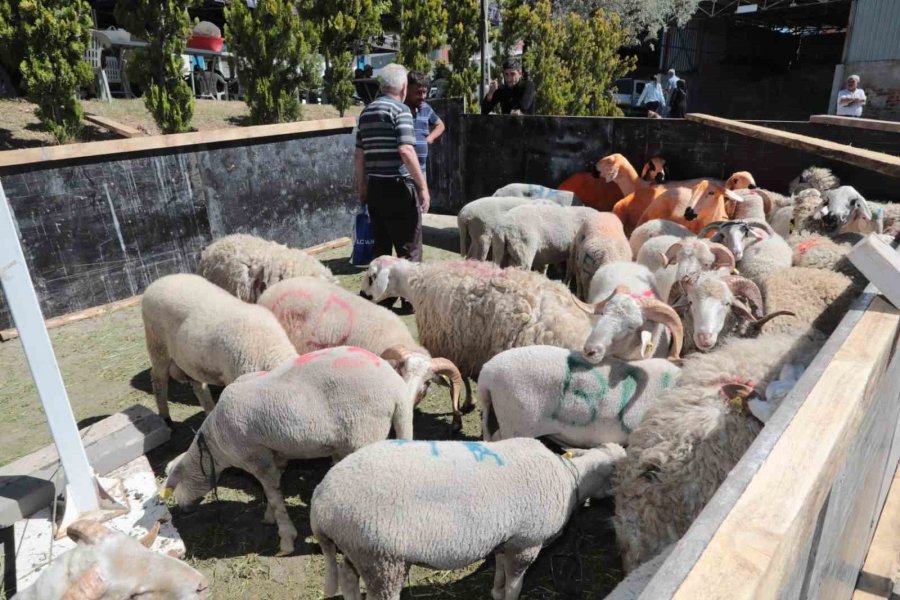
(851, 99)
(427, 124)
(514, 98)
(388, 176)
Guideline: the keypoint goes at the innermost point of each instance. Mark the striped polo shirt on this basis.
(383, 126)
(424, 120)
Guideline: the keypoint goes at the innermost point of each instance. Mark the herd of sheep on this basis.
(696, 305)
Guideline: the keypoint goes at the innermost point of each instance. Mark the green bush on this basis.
(423, 28)
(165, 25)
(344, 25)
(54, 37)
(463, 19)
(273, 45)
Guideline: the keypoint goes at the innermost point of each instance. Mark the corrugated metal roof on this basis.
(876, 31)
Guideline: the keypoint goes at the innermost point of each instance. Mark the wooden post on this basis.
(880, 264)
(485, 45)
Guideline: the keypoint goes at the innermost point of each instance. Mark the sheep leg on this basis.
(329, 551)
(349, 580)
(516, 564)
(201, 390)
(159, 372)
(469, 406)
(481, 246)
(264, 469)
(384, 579)
(499, 590)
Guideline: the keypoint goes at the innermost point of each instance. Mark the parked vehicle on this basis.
(628, 90)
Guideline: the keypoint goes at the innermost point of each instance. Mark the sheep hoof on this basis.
(467, 408)
(456, 426)
(285, 551)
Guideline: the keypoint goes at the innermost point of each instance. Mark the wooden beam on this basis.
(867, 159)
(881, 571)
(880, 263)
(29, 156)
(758, 545)
(873, 124)
(115, 127)
(95, 311)
(13, 333)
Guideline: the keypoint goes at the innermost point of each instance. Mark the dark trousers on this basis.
(652, 105)
(396, 217)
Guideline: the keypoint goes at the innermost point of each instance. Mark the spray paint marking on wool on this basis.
(478, 450)
(336, 309)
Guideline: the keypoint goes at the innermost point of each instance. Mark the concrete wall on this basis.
(880, 80)
(95, 231)
(445, 181)
(546, 150)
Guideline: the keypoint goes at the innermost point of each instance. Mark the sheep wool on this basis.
(470, 500)
(246, 265)
(544, 390)
(476, 221)
(819, 299)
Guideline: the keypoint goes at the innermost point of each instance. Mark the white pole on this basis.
(485, 45)
(26, 312)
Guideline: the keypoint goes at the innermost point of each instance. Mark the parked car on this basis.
(628, 90)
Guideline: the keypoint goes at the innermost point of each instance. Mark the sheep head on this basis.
(382, 278)
(655, 170)
(709, 194)
(738, 235)
(596, 468)
(742, 180)
(843, 206)
(420, 368)
(109, 564)
(624, 324)
(190, 475)
(608, 167)
(712, 297)
(693, 255)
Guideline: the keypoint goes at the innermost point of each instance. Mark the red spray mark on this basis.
(340, 311)
(361, 358)
(645, 294)
(309, 357)
(262, 373)
(803, 247)
(289, 294)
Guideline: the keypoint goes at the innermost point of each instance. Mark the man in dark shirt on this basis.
(516, 97)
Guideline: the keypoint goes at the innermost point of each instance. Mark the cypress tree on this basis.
(423, 27)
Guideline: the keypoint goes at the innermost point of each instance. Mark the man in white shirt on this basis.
(851, 99)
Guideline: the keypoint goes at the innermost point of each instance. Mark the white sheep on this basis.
(476, 220)
(818, 251)
(600, 240)
(545, 390)
(317, 314)
(536, 235)
(817, 178)
(633, 320)
(538, 192)
(691, 438)
(470, 311)
(197, 332)
(756, 247)
(109, 565)
(671, 259)
(654, 228)
(467, 499)
(246, 265)
(844, 210)
(326, 403)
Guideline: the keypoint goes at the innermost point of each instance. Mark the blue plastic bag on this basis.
(363, 239)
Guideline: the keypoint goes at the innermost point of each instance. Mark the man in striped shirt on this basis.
(388, 176)
(427, 124)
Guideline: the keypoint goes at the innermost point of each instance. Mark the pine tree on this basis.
(424, 24)
(273, 44)
(165, 25)
(463, 19)
(54, 37)
(345, 25)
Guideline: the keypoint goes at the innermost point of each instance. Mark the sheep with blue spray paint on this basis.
(445, 505)
(548, 391)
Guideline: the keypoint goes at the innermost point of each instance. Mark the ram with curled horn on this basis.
(421, 367)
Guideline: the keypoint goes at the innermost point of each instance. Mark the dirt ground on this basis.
(105, 367)
(19, 127)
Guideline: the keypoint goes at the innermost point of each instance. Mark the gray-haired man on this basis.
(388, 177)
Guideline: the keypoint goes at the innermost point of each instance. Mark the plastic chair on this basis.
(93, 55)
(212, 85)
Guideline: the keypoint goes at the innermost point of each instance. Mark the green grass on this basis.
(105, 367)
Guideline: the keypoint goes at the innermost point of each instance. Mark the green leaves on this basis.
(424, 27)
(463, 21)
(54, 35)
(274, 47)
(165, 25)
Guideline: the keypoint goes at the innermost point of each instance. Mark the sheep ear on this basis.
(733, 197)
(821, 211)
(759, 233)
(742, 310)
(380, 285)
(92, 585)
(86, 531)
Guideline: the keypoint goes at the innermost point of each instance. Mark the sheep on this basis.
(476, 223)
(691, 438)
(693, 207)
(844, 210)
(330, 402)
(655, 170)
(536, 235)
(471, 311)
(632, 319)
(470, 499)
(756, 247)
(245, 265)
(819, 251)
(817, 178)
(654, 228)
(637, 581)
(538, 192)
(600, 240)
(671, 259)
(545, 390)
(109, 565)
(197, 332)
(818, 298)
(799, 215)
(317, 314)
